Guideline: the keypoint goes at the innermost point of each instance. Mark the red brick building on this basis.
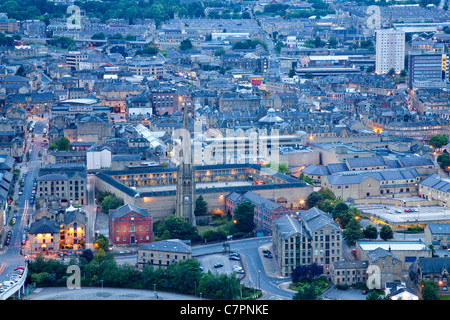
(130, 224)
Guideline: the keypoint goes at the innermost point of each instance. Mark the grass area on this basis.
(444, 297)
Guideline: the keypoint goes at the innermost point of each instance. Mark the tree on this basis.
(370, 232)
(313, 199)
(98, 36)
(63, 144)
(430, 291)
(291, 73)
(219, 52)
(443, 160)
(185, 275)
(111, 203)
(101, 242)
(244, 217)
(21, 72)
(326, 193)
(186, 44)
(438, 141)
(174, 227)
(201, 207)
(306, 272)
(332, 42)
(306, 178)
(352, 232)
(386, 232)
(307, 292)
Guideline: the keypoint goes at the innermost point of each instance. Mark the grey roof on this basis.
(314, 169)
(435, 182)
(356, 177)
(439, 228)
(127, 208)
(77, 215)
(44, 225)
(415, 161)
(172, 245)
(434, 265)
(263, 202)
(316, 219)
(378, 253)
(126, 157)
(365, 162)
(288, 226)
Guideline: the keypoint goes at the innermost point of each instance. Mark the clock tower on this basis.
(185, 195)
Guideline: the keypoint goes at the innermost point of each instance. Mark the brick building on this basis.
(130, 224)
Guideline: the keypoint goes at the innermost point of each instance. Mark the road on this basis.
(11, 256)
(256, 275)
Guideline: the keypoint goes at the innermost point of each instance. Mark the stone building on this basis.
(312, 237)
(161, 254)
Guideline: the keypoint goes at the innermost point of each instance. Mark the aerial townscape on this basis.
(245, 150)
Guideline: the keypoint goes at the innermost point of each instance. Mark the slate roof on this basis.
(127, 208)
(356, 177)
(379, 253)
(172, 245)
(434, 265)
(288, 226)
(439, 228)
(365, 162)
(44, 225)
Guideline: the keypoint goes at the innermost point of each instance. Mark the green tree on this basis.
(185, 275)
(291, 73)
(219, 286)
(244, 217)
(307, 292)
(101, 242)
(219, 52)
(352, 232)
(174, 227)
(306, 178)
(386, 232)
(326, 193)
(443, 160)
(370, 232)
(201, 207)
(438, 141)
(98, 36)
(186, 45)
(313, 199)
(430, 291)
(111, 203)
(21, 72)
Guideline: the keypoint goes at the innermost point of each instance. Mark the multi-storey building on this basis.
(265, 211)
(161, 254)
(130, 224)
(312, 237)
(66, 181)
(427, 70)
(390, 51)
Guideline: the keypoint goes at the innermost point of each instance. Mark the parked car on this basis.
(267, 251)
(218, 265)
(235, 258)
(269, 256)
(414, 210)
(407, 210)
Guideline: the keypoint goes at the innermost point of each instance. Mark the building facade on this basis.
(129, 225)
(390, 51)
(311, 237)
